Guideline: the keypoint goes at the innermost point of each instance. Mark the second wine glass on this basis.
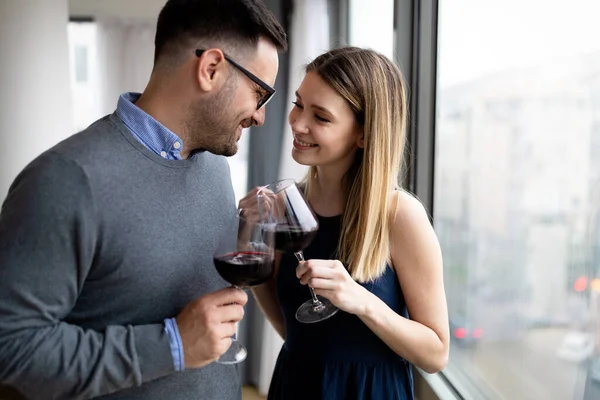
(244, 257)
(283, 207)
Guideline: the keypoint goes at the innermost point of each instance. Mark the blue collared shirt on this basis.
(157, 138)
(151, 133)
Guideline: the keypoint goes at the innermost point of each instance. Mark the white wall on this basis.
(35, 103)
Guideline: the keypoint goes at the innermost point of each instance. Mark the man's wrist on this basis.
(175, 343)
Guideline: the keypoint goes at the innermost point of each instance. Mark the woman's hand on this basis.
(330, 279)
(255, 206)
(248, 206)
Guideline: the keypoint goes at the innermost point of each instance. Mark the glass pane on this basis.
(238, 166)
(85, 93)
(517, 194)
(81, 64)
(371, 25)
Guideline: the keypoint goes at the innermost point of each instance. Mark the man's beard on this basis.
(210, 125)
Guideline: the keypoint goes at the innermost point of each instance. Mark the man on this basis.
(107, 286)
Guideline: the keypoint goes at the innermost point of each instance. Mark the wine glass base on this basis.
(308, 313)
(235, 354)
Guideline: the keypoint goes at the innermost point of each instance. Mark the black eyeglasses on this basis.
(268, 89)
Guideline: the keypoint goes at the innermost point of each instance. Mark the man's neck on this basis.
(166, 109)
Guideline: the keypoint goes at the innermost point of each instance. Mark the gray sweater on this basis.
(100, 241)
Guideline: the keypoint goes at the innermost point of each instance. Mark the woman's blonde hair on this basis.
(375, 90)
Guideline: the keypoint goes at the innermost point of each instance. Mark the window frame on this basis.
(416, 51)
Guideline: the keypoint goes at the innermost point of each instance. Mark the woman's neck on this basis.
(327, 195)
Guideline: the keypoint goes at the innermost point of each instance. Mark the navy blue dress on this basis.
(339, 358)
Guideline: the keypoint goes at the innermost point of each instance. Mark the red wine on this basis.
(245, 268)
(290, 239)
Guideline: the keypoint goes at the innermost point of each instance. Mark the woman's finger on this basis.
(316, 272)
(320, 283)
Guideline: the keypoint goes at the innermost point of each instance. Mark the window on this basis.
(517, 194)
(238, 165)
(372, 25)
(81, 63)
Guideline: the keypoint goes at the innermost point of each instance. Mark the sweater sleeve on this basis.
(49, 234)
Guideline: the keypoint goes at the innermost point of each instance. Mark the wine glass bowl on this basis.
(245, 268)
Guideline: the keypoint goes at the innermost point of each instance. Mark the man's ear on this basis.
(211, 70)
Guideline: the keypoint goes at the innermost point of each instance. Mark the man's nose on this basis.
(258, 118)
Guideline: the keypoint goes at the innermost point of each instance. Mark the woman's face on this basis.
(324, 128)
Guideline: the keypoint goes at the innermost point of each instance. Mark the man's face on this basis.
(234, 106)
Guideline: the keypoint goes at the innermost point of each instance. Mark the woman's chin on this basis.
(302, 159)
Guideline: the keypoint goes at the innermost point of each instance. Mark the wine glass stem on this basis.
(234, 337)
(316, 302)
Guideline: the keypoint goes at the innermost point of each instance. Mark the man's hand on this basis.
(207, 324)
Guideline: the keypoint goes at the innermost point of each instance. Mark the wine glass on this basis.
(284, 208)
(245, 256)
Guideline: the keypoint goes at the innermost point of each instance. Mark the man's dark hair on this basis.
(238, 23)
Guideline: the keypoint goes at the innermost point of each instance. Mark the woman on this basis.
(376, 256)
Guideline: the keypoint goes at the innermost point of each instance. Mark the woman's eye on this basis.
(297, 104)
(321, 118)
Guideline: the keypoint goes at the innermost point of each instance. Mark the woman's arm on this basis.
(266, 296)
(416, 256)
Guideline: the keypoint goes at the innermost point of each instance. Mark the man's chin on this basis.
(230, 151)
(224, 149)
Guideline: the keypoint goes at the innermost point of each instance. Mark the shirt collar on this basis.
(148, 130)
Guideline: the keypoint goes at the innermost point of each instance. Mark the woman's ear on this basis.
(361, 142)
